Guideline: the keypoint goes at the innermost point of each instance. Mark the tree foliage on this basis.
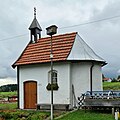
(8, 88)
(118, 77)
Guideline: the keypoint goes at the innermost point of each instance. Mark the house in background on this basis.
(77, 69)
(107, 79)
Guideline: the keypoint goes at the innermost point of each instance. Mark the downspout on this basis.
(18, 104)
(91, 76)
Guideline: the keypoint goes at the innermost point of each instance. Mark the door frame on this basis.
(25, 95)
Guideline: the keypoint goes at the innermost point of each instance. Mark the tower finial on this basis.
(34, 12)
(35, 29)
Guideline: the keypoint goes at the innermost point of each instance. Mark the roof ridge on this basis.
(64, 34)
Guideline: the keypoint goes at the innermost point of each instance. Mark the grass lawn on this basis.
(40, 115)
(89, 115)
(111, 85)
(6, 94)
(23, 115)
(8, 106)
(9, 112)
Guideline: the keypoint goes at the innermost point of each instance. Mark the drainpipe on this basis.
(18, 77)
(91, 76)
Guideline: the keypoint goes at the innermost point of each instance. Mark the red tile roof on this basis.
(40, 52)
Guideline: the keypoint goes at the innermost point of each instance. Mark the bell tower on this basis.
(35, 29)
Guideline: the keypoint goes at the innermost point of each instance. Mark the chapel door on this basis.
(30, 94)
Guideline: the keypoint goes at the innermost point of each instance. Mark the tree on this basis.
(114, 80)
(8, 88)
(118, 77)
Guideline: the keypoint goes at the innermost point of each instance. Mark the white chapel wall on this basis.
(39, 73)
(80, 75)
(97, 77)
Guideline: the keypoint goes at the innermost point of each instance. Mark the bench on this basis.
(55, 107)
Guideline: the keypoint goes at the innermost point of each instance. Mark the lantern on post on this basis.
(51, 31)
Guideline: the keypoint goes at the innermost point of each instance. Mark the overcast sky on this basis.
(103, 37)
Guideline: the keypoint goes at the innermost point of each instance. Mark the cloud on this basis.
(103, 37)
(8, 80)
(118, 71)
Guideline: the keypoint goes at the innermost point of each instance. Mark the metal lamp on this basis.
(51, 31)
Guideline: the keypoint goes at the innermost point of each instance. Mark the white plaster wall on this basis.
(39, 73)
(97, 78)
(80, 75)
(77, 74)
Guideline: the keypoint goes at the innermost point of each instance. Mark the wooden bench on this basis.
(55, 107)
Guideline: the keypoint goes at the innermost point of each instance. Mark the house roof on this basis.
(106, 79)
(81, 51)
(68, 47)
(39, 52)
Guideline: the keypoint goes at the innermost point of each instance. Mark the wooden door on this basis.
(30, 94)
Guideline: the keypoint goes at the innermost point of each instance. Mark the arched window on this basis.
(54, 76)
